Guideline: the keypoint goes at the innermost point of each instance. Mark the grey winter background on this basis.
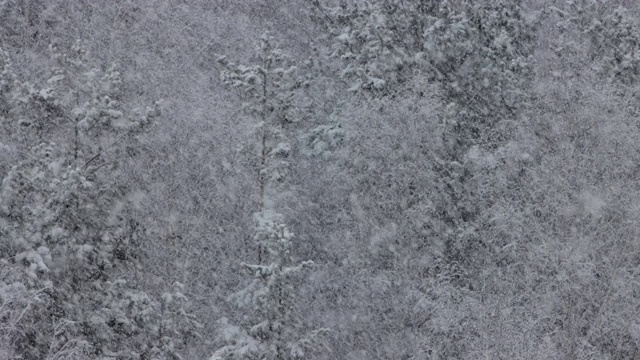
(318, 179)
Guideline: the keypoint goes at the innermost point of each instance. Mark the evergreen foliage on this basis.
(69, 229)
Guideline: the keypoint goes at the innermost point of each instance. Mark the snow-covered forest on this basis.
(319, 179)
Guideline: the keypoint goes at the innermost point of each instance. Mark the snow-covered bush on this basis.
(322, 140)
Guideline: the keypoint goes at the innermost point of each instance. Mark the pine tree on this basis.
(270, 90)
(69, 227)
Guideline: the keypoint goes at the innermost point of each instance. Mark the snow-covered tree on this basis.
(269, 300)
(69, 225)
(271, 90)
(271, 93)
(478, 53)
(606, 36)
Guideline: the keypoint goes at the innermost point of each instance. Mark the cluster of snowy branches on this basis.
(311, 179)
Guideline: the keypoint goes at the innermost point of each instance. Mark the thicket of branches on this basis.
(379, 179)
